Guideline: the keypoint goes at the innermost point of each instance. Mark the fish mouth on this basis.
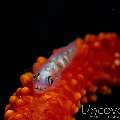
(38, 87)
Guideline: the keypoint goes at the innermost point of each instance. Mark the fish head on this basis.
(43, 80)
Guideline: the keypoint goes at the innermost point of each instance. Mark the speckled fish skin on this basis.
(54, 66)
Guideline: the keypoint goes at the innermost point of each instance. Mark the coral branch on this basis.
(96, 66)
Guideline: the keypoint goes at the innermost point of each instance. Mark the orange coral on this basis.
(96, 66)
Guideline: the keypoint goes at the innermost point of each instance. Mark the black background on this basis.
(32, 29)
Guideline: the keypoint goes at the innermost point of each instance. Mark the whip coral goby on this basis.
(57, 87)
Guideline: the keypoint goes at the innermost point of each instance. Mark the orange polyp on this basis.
(79, 104)
(25, 90)
(83, 92)
(19, 102)
(77, 96)
(26, 79)
(97, 44)
(108, 36)
(41, 60)
(46, 97)
(18, 92)
(90, 38)
(66, 87)
(111, 36)
(36, 67)
(7, 107)
(92, 89)
(105, 90)
(80, 76)
(73, 119)
(88, 85)
(75, 108)
(90, 70)
(69, 75)
(101, 36)
(87, 37)
(13, 99)
(29, 74)
(18, 116)
(8, 114)
(78, 42)
(84, 100)
(74, 82)
(114, 35)
(14, 94)
(84, 49)
(93, 38)
(60, 102)
(92, 98)
(68, 105)
(63, 82)
(109, 92)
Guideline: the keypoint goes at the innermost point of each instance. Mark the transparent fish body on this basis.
(50, 72)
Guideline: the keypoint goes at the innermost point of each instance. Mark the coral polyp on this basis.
(76, 73)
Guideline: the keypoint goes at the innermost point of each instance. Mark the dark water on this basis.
(31, 29)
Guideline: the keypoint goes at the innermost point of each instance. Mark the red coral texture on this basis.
(96, 66)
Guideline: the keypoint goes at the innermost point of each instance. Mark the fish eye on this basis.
(50, 80)
(36, 75)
